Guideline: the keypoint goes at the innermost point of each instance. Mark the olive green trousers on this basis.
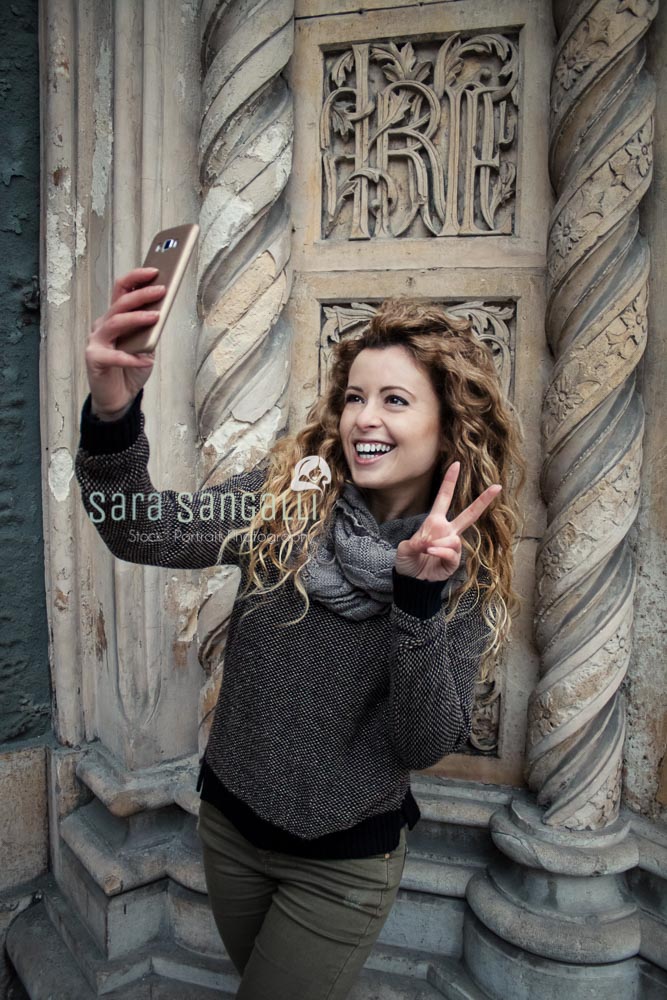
(295, 928)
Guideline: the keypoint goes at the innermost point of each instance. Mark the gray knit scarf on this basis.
(349, 570)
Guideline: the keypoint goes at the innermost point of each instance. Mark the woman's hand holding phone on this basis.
(115, 376)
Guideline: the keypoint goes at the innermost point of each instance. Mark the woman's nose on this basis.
(367, 415)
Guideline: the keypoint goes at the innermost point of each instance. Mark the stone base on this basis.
(56, 958)
(161, 970)
(652, 982)
(454, 981)
(553, 914)
(127, 902)
(509, 971)
(49, 971)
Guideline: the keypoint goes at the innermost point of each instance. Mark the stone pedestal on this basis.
(562, 900)
(555, 913)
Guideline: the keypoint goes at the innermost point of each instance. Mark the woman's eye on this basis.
(348, 399)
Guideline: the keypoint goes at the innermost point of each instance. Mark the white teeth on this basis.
(372, 449)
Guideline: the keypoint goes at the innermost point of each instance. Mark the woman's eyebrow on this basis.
(385, 387)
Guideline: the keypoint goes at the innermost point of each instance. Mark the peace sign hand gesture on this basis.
(434, 551)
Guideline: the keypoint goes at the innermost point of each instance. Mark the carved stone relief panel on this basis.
(493, 322)
(430, 123)
(420, 138)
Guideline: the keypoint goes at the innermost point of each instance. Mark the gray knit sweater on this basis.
(319, 724)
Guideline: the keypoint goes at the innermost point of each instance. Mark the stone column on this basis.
(112, 176)
(555, 906)
(242, 364)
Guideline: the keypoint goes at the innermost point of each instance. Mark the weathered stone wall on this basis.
(24, 673)
(25, 697)
(25, 701)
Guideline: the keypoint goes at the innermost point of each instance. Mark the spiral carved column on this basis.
(245, 149)
(557, 894)
(243, 351)
(593, 417)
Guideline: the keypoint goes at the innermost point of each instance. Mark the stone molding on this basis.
(125, 793)
(602, 103)
(119, 859)
(59, 254)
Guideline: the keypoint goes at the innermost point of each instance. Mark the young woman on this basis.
(358, 631)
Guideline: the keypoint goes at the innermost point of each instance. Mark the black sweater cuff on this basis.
(421, 598)
(102, 437)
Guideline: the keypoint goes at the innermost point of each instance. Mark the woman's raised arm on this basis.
(138, 523)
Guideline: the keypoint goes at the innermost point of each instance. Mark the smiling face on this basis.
(390, 400)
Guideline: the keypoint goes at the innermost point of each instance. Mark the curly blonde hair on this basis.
(483, 432)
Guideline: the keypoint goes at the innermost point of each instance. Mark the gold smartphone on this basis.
(170, 251)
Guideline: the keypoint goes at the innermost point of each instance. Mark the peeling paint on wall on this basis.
(217, 580)
(59, 257)
(61, 470)
(80, 232)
